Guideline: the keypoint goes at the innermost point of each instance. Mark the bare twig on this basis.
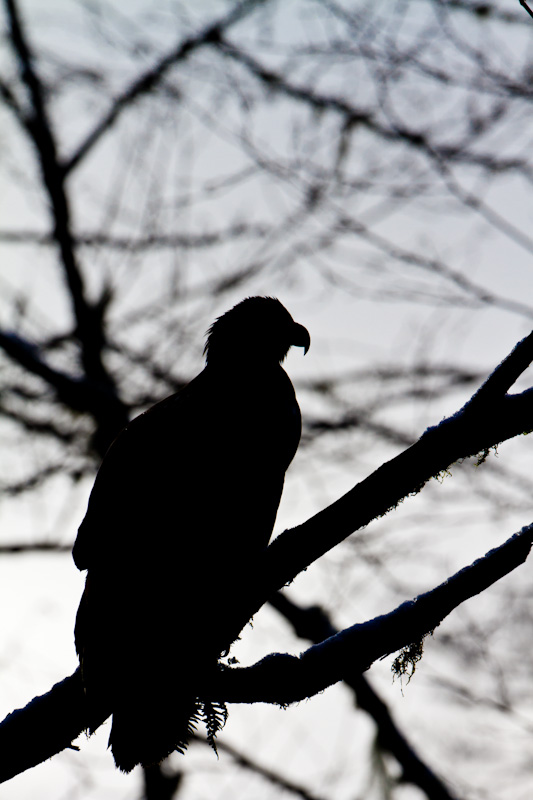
(35, 547)
(273, 777)
(140, 244)
(526, 7)
(435, 266)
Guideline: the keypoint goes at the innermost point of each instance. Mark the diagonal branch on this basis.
(435, 266)
(11, 102)
(46, 726)
(490, 417)
(283, 679)
(52, 721)
(526, 7)
(270, 775)
(504, 376)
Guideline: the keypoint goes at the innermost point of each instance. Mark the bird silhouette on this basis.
(182, 506)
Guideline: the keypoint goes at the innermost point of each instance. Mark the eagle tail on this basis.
(147, 736)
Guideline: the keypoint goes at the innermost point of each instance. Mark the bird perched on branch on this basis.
(183, 504)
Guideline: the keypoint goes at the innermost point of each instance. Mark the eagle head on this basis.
(258, 327)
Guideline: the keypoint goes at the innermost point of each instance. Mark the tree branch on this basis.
(49, 723)
(76, 393)
(282, 679)
(526, 7)
(435, 266)
(490, 417)
(140, 244)
(274, 778)
(35, 547)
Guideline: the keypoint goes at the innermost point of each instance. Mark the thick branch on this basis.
(43, 728)
(490, 417)
(49, 723)
(283, 679)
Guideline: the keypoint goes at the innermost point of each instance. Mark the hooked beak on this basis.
(300, 337)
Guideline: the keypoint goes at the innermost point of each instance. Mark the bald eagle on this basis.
(183, 504)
